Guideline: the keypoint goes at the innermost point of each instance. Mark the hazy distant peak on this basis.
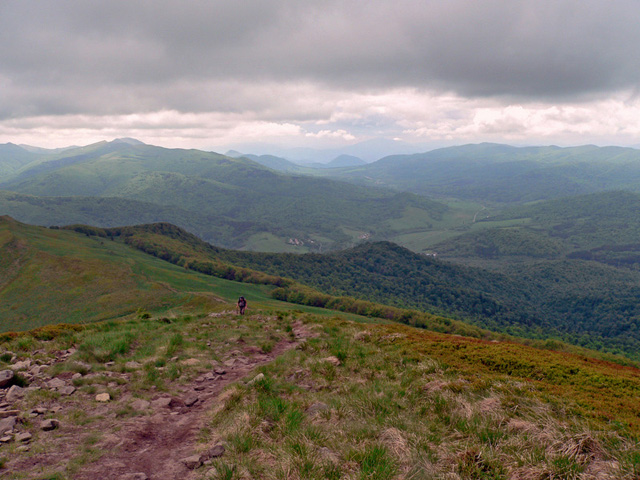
(345, 160)
(234, 154)
(128, 141)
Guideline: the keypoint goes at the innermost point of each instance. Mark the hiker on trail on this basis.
(242, 305)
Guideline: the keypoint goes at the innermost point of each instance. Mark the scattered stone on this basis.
(76, 376)
(55, 409)
(6, 439)
(255, 379)
(362, 336)
(9, 413)
(50, 424)
(23, 437)
(23, 365)
(135, 476)
(192, 462)
(229, 363)
(332, 360)
(5, 378)
(39, 410)
(7, 424)
(103, 397)
(219, 371)
(162, 402)
(191, 362)
(132, 365)
(14, 393)
(199, 388)
(212, 473)
(140, 404)
(56, 383)
(214, 452)
(316, 407)
(191, 400)
(4, 405)
(109, 364)
(68, 390)
(82, 366)
(174, 359)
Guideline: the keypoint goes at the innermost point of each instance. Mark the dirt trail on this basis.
(156, 445)
(153, 447)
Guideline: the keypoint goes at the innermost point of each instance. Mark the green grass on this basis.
(400, 402)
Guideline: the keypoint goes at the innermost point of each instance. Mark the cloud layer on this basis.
(218, 72)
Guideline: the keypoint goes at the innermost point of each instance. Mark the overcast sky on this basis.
(217, 73)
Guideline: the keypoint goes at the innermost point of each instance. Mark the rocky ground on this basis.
(84, 421)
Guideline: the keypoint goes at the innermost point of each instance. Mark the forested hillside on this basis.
(580, 302)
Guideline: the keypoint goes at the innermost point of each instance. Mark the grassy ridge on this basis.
(54, 276)
(352, 401)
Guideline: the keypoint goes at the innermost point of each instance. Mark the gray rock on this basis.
(103, 397)
(23, 365)
(192, 462)
(140, 404)
(219, 371)
(255, 379)
(135, 476)
(6, 439)
(162, 402)
(50, 424)
(68, 390)
(132, 365)
(213, 452)
(14, 393)
(23, 437)
(191, 400)
(5, 378)
(9, 413)
(83, 366)
(7, 424)
(56, 383)
(23, 448)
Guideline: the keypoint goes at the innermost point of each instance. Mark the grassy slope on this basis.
(399, 403)
(52, 276)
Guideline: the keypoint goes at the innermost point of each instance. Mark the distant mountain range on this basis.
(228, 201)
(503, 174)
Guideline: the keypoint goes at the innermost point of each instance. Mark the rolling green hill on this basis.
(231, 202)
(504, 174)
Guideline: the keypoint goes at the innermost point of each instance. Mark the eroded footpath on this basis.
(138, 414)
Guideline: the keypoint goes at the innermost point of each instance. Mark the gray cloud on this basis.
(119, 56)
(323, 70)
